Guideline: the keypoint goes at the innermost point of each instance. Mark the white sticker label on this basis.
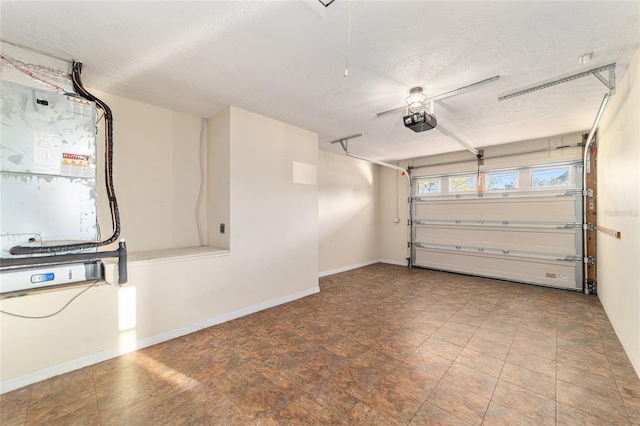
(77, 106)
(46, 153)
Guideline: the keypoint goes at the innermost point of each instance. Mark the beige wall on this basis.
(273, 256)
(275, 221)
(394, 193)
(156, 175)
(219, 178)
(347, 213)
(618, 208)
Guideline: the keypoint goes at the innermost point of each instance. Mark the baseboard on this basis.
(347, 268)
(360, 265)
(75, 364)
(394, 262)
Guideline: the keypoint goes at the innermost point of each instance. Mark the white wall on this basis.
(618, 181)
(274, 237)
(156, 175)
(393, 202)
(347, 212)
(218, 178)
(273, 256)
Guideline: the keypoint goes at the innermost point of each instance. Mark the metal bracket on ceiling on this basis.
(458, 141)
(609, 83)
(344, 142)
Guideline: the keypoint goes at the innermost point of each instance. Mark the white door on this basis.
(520, 224)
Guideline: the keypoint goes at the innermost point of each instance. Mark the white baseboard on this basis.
(347, 268)
(394, 262)
(75, 364)
(360, 265)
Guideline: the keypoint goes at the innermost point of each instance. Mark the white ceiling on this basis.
(283, 60)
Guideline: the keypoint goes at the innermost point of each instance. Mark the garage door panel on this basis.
(531, 232)
(536, 271)
(538, 209)
(560, 241)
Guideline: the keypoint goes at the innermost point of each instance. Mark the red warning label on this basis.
(70, 156)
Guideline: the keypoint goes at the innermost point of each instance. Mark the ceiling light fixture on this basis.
(416, 98)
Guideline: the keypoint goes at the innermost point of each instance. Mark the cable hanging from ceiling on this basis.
(346, 64)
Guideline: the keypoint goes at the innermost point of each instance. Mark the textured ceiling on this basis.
(283, 60)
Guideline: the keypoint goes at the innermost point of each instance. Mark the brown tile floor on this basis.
(379, 345)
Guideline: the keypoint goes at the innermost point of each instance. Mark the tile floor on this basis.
(381, 345)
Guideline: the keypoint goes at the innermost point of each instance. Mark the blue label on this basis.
(39, 278)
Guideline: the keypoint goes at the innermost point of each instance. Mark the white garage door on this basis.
(520, 224)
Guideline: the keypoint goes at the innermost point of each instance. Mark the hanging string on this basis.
(346, 64)
(397, 195)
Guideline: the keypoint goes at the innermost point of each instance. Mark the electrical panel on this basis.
(47, 168)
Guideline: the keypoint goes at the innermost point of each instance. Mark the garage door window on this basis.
(500, 181)
(465, 183)
(429, 186)
(549, 178)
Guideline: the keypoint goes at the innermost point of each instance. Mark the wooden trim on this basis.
(591, 210)
(608, 231)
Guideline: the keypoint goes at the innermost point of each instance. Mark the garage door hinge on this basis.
(592, 286)
(589, 260)
(587, 193)
(588, 227)
(573, 258)
(573, 225)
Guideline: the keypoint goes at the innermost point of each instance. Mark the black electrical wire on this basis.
(108, 169)
(58, 311)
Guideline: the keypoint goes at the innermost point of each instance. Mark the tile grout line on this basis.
(505, 361)
(556, 375)
(613, 375)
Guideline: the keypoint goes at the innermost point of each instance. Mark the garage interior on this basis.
(335, 212)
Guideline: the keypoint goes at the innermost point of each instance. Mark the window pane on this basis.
(508, 180)
(428, 186)
(550, 178)
(462, 183)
